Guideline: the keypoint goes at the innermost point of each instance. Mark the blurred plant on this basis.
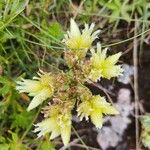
(16, 40)
(66, 89)
(145, 135)
(15, 120)
(10, 108)
(11, 9)
(118, 8)
(12, 143)
(27, 39)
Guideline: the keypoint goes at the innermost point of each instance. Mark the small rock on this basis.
(119, 124)
(128, 72)
(111, 136)
(124, 96)
(75, 119)
(108, 138)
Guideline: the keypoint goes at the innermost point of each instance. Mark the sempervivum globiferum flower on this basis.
(95, 108)
(40, 88)
(56, 124)
(67, 90)
(103, 66)
(80, 42)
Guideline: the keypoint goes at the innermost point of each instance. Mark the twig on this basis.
(136, 94)
(78, 9)
(82, 146)
(107, 92)
(70, 144)
(86, 147)
(126, 40)
(130, 47)
(100, 87)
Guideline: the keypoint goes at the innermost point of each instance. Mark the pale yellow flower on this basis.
(59, 124)
(95, 108)
(80, 42)
(103, 66)
(40, 87)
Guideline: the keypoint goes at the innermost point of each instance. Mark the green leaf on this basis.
(145, 135)
(47, 145)
(6, 85)
(55, 30)
(12, 8)
(21, 119)
(4, 146)
(4, 36)
(15, 143)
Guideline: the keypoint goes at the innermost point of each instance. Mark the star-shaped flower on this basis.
(40, 88)
(80, 42)
(95, 108)
(59, 124)
(103, 66)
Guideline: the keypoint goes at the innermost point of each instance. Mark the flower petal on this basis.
(110, 110)
(112, 60)
(112, 71)
(65, 134)
(97, 119)
(55, 133)
(74, 29)
(39, 98)
(28, 86)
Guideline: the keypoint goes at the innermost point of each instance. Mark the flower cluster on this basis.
(67, 90)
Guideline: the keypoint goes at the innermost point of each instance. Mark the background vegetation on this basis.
(30, 38)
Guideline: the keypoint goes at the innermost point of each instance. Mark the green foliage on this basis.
(119, 8)
(7, 85)
(54, 29)
(12, 143)
(46, 145)
(146, 130)
(8, 107)
(22, 40)
(21, 119)
(15, 120)
(21, 37)
(15, 143)
(115, 10)
(12, 8)
(4, 36)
